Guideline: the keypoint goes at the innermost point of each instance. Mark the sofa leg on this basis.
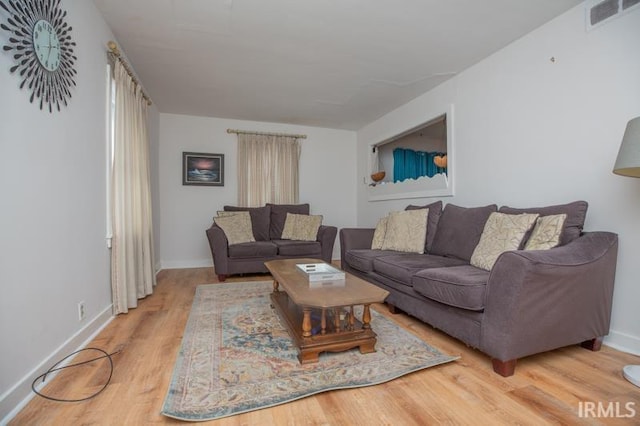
(222, 277)
(593, 345)
(504, 368)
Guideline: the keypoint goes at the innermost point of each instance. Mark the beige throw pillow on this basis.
(224, 213)
(546, 233)
(236, 227)
(502, 232)
(406, 231)
(301, 227)
(378, 234)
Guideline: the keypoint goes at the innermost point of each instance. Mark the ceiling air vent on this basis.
(600, 11)
(626, 4)
(603, 10)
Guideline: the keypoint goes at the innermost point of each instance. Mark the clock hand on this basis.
(49, 46)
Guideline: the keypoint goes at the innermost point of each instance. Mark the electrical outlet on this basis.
(81, 311)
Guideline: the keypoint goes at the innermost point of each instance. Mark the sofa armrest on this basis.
(542, 300)
(355, 238)
(327, 238)
(219, 249)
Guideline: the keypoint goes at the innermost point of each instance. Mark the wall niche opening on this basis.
(416, 163)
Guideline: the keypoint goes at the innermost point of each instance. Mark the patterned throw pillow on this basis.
(546, 233)
(236, 227)
(224, 213)
(260, 220)
(435, 211)
(301, 227)
(576, 214)
(502, 232)
(378, 234)
(406, 231)
(278, 217)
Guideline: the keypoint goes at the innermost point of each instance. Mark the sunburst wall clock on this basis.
(42, 48)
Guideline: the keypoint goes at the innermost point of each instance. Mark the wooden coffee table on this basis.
(321, 318)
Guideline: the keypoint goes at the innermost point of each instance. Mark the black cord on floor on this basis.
(56, 368)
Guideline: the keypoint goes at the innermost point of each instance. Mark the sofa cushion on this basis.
(254, 249)
(298, 248)
(460, 286)
(576, 213)
(406, 231)
(362, 259)
(546, 233)
(236, 227)
(279, 217)
(301, 227)
(401, 267)
(459, 230)
(502, 232)
(260, 219)
(435, 211)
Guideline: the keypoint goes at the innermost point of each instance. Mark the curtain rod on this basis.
(113, 50)
(249, 132)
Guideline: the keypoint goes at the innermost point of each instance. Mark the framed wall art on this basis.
(202, 169)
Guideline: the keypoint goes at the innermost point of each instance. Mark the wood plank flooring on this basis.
(549, 388)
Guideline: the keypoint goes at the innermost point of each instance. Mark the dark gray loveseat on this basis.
(267, 224)
(530, 301)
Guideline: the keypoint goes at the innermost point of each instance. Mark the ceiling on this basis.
(327, 63)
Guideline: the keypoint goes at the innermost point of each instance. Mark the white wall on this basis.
(53, 250)
(533, 132)
(327, 173)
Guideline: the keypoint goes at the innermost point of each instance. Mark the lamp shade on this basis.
(628, 161)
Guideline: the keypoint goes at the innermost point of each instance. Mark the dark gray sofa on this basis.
(530, 302)
(267, 224)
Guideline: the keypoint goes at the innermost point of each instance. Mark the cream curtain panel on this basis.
(267, 169)
(132, 257)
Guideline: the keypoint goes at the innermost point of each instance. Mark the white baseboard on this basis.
(198, 263)
(623, 342)
(16, 398)
(180, 264)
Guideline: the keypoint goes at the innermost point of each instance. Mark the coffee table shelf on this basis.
(323, 319)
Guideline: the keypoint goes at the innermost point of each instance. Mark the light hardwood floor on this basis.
(548, 388)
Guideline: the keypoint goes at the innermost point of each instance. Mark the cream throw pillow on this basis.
(406, 231)
(301, 227)
(546, 233)
(502, 232)
(378, 234)
(236, 227)
(224, 213)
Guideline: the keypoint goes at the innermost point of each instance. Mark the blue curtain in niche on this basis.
(408, 163)
(398, 165)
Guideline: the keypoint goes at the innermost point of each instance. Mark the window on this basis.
(267, 169)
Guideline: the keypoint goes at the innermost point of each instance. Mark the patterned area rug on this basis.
(236, 357)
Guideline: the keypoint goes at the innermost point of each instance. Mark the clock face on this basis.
(46, 45)
(40, 43)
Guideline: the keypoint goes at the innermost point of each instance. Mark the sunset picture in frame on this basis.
(202, 169)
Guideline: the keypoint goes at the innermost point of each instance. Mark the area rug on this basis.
(236, 356)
